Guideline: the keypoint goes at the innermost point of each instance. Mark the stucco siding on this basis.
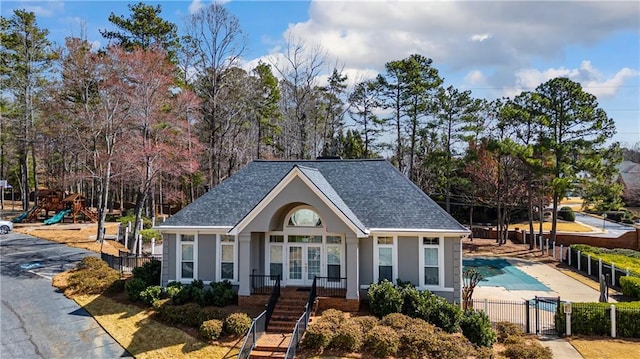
(366, 260)
(448, 262)
(207, 257)
(408, 260)
(272, 217)
(257, 252)
(168, 258)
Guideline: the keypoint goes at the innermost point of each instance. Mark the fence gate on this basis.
(541, 315)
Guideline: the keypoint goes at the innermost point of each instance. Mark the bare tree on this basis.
(299, 67)
(215, 41)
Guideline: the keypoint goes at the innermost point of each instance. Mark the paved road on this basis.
(36, 320)
(611, 229)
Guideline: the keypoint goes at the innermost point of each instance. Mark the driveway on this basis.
(611, 229)
(36, 320)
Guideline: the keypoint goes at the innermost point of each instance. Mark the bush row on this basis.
(385, 299)
(630, 286)
(93, 276)
(218, 294)
(623, 258)
(236, 324)
(394, 335)
(595, 319)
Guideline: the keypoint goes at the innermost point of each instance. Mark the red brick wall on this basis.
(629, 240)
(345, 305)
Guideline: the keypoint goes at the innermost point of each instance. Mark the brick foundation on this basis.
(253, 300)
(345, 305)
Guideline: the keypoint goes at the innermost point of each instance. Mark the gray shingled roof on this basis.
(371, 193)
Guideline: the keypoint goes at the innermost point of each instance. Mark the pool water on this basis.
(498, 272)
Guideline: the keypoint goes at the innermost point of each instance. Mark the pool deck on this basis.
(567, 287)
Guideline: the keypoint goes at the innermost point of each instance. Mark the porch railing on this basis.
(331, 287)
(125, 263)
(258, 326)
(263, 283)
(273, 299)
(302, 323)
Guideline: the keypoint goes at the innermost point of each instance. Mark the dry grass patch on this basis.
(143, 337)
(592, 348)
(546, 226)
(75, 235)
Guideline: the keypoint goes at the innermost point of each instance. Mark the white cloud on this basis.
(369, 34)
(591, 79)
(46, 9)
(475, 77)
(480, 37)
(195, 6)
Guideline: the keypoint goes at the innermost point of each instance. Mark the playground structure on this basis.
(52, 200)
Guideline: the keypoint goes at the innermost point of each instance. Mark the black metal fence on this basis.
(125, 263)
(594, 267)
(331, 287)
(535, 315)
(264, 283)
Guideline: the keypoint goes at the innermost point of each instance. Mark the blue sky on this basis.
(493, 48)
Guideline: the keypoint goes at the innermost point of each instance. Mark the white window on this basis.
(385, 259)
(228, 255)
(431, 273)
(304, 217)
(275, 255)
(187, 254)
(334, 258)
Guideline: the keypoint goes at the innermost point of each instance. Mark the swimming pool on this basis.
(498, 272)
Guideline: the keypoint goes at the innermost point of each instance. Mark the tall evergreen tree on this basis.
(26, 56)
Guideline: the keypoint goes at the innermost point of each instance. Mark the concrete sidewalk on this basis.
(560, 348)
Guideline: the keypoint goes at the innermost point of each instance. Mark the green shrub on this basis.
(384, 298)
(190, 314)
(93, 276)
(436, 310)
(334, 317)
(151, 294)
(411, 300)
(349, 336)
(172, 289)
(237, 324)
(131, 217)
(527, 350)
(623, 258)
(477, 328)
(149, 272)
(222, 293)
(182, 296)
(382, 341)
(507, 329)
(630, 286)
(567, 214)
(211, 329)
(318, 336)
(595, 319)
(397, 321)
(134, 287)
(148, 234)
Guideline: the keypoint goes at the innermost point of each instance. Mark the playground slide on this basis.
(58, 217)
(24, 215)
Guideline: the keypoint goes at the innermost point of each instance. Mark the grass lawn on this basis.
(595, 348)
(143, 337)
(546, 226)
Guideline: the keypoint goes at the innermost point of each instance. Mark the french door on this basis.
(304, 263)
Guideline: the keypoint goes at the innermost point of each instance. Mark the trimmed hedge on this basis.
(623, 258)
(595, 319)
(211, 329)
(630, 286)
(476, 326)
(567, 214)
(237, 324)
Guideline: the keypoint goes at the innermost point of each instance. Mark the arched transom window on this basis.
(304, 217)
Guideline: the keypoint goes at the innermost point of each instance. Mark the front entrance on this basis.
(304, 263)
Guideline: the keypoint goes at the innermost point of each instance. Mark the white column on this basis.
(352, 263)
(244, 264)
(613, 321)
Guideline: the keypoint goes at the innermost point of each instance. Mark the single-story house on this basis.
(629, 177)
(355, 222)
